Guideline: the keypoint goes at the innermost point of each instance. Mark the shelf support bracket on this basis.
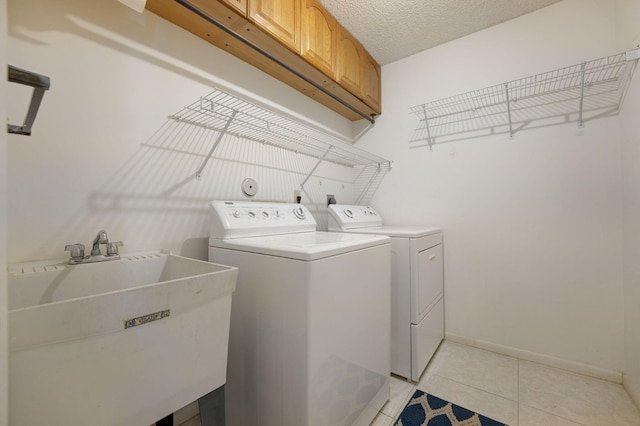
(506, 93)
(426, 125)
(582, 72)
(368, 185)
(215, 144)
(320, 160)
(40, 83)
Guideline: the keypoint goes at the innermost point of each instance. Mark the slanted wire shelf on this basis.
(597, 85)
(228, 114)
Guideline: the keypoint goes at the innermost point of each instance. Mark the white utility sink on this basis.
(124, 342)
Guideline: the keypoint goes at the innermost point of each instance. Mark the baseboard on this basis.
(633, 392)
(550, 361)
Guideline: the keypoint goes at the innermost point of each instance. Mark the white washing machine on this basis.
(310, 317)
(417, 285)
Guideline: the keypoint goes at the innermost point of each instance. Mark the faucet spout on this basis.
(101, 238)
(77, 250)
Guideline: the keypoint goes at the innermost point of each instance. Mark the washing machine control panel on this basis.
(244, 219)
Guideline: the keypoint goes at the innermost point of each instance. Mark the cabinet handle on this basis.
(432, 257)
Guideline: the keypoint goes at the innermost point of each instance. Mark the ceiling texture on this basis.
(394, 29)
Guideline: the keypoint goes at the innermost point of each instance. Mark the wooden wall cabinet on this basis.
(303, 46)
(372, 83)
(279, 18)
(319, 37)
(349, 66)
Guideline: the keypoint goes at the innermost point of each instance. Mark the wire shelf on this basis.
(225, 114)
(597, 85)
(228, 114)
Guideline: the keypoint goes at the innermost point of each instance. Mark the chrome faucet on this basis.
(101, 238)
(77, 250)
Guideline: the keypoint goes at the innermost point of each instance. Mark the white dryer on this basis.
(417, 285)
(310, 318)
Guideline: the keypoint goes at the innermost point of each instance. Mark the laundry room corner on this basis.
(628, 34)
(520, 215)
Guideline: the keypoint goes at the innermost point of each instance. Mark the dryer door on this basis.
(427, 284)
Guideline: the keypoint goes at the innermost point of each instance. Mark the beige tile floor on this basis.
(515, 392)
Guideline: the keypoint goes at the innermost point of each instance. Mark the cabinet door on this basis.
(239, 6)
(372, 93)
(280, 18)
(349, 62)
(318, 36)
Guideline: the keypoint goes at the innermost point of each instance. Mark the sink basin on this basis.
(123, 342)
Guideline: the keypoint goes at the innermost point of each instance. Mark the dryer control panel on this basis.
(343, 217)
(241, 219)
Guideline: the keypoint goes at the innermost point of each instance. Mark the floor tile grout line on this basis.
(404, 403)
(488, 351)
(520, 403)
(471, 387)
(476, 388)
(572, 373)
(551, 414)
(405, 400)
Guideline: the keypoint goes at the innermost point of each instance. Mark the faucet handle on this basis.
(76, 250)
(112, 248)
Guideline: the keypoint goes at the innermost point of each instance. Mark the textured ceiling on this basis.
(394, 29)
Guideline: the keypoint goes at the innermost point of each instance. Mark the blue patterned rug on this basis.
(427, 410)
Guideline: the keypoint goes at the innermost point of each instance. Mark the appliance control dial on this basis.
(348, 213)
(236, 214)
(265, 214)
(252, 214)
(299, 213)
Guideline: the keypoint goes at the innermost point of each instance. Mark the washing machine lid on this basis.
(364, 219)
(305, 246)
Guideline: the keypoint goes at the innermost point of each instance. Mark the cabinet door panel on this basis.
(372, 95)
(349, 63)
(239, 6)
(319, 36)
(280, 18)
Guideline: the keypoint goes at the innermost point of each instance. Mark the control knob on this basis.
(299, 213)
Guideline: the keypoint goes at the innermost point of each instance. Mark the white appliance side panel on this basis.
(400, 303)
(349, 343)
(268, 327)
(425, 338)
(298, 327)
(428, 283)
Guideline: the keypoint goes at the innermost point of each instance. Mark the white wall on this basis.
(3, 219)
(629, 36)
(103, 154)
(532, 226)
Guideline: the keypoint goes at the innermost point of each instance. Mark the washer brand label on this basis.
(134, 322)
